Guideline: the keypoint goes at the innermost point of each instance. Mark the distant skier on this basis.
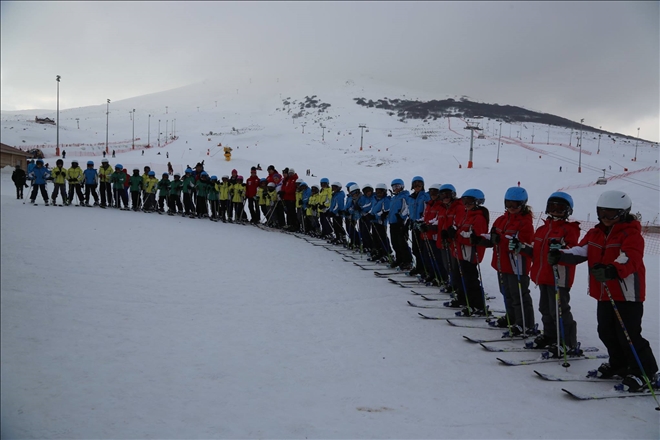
(63, 154)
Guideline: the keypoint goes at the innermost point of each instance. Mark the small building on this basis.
(39, 120)
(13, 156)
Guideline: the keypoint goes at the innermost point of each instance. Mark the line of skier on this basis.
(433, 234)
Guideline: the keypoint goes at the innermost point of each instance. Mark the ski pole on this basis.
(560, 319)
(502, 287)
(632, 347)
(516, 263)
(460, 271)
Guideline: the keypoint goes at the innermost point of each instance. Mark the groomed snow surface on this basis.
(129, 325)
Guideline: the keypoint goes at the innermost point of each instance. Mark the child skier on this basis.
(212, 196)
(117, 179)
(473, 222)
(39, 176)
(19, 177)
(135, 187)
(614, 251)
(163, 192)
(75, 177)
(59, 182)
(91, 182)
(187, 189)
(175, 195)
(398, 221)
(150, 186)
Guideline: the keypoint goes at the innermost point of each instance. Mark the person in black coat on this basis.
(18, 177)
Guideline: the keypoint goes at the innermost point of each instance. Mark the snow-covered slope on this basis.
(128, 325)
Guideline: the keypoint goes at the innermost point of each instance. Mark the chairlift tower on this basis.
(472, 127)
(361, 127)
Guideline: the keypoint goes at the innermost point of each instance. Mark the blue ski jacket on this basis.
(39, 175)
(91, 176)
(399, 208)
(337, 202)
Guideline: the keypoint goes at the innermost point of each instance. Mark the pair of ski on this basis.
(442, 307)
(612, 393)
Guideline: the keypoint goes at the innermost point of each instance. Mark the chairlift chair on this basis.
(602, 180)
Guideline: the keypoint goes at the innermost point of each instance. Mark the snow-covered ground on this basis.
(127, 325)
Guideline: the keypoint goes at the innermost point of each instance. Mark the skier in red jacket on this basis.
(252, 184)
(614, 251)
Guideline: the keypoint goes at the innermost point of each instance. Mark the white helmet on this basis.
(615, 200)
(316, 186)
(435, 186)
(336, 184)
(271, 185)
(292, 171)
(367, 185)
(225, 177)
(299, 180)
(381, 186)
(353, 187)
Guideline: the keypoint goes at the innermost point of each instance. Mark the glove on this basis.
(603, 273)
(451, 233)
(554, 256)
(495, 238)
(515, 245)
(554, 244)
(330, 214)
(423, 227)
(384, 215)
(474, 239)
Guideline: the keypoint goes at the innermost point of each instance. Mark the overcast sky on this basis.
(594, 60)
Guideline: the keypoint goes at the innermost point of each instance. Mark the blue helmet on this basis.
(449, 187)
(214, 177)
(152, 173)
(476, 194)
(263, 179)
(204, 173)
(90, 162)
(416, 178)
(189, 170)
(40, 161)
(516, 194)
(349, 184)
(397, 182)
(325, 180)
(561, 197)
(120, 166)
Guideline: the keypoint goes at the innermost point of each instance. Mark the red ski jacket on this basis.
(508, 225)
(561, 231)
(251, 185)
(622, 247)
(448, 216)
(289, 188)
(430, 217)
(475, 222)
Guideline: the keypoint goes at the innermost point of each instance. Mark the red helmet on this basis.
(239, 178)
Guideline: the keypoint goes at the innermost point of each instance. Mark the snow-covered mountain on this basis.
(122, 324)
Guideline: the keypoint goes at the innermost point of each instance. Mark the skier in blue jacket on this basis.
(399, 219)
(39, 176)
(380, 210)
(91, 177)
(418, 199)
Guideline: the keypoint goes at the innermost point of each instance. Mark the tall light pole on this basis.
(548, 134)
(159, 132)
(133, 129)
(570, 139)
(149, 131)
(57, 147)
(580, 145)
(323, 135)
(174, 125)
(599, 135)
(498, 144)
(361, 127)
(303, 126)
(167, 125)
(78, 122)
(636, 142)
(532, 134)
(107, 119)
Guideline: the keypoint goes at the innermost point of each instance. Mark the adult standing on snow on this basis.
(19, 177)
(614, 251)
(251, 186)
